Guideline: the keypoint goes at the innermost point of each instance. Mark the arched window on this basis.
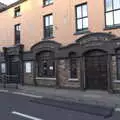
(73, 65)
(46, 64)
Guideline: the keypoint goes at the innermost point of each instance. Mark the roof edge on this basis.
(12, 5)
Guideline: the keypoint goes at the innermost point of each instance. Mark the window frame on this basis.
(72, 59)
(110, 11)
(15, 33)
(5, 69)
(45, 60)
(45, 27)
(76, 19)
(49, 3)
(16, 10)
(25, 70)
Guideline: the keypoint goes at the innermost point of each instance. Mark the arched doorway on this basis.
(96, 70)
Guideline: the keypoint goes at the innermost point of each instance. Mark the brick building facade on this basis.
(70, 45)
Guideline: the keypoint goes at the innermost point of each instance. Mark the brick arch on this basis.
(98, 36)
(46, 45)
(96, 52)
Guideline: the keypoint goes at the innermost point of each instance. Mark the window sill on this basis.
(47, 5)
(45, 78)
(112, 27)
(46, 38)
(81, 32)
(73, 79)
(17, 16)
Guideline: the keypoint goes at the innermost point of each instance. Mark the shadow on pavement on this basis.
(85, 108)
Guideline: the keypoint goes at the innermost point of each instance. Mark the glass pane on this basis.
(50, 1)
(3, 68)
(85, 23)
(117, 17)
(46, 2)
(51, 20)
(108, 5)
(46, 21)
(116, 4)
(109, 18)
(79, 12)
(28, 67)
(79, 24)
(84, 10)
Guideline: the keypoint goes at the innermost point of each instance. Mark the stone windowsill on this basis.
(116, 81)
(81, 32)
(112, 27)
(47, 5)
(45, 78)
(73, 79)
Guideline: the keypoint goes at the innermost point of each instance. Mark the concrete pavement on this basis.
(101, 98)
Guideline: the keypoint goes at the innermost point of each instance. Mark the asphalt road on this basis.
(18, 107)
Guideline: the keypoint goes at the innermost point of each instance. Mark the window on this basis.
(47, 2)
(46, 64)
(3, 68)
(17, 33)
(17, 11)
(28, 67)
(73, 65)
(81, 17)
(48, 26)
(112, 12)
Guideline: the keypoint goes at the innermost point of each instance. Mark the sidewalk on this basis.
(101, 98)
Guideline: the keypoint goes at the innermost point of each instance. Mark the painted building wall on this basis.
(31, 20)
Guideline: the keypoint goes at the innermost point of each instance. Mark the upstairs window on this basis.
(17, 33)
(81, 17)
(112, 13)
(17, 11)
(47, 2)
(48, 26)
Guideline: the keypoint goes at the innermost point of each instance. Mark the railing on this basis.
(9, 79)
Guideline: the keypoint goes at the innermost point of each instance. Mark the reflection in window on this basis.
(112, 13)
(48, 26)
(28, 67)
(3, 68)
(46, 64)
(47, 2)
(17, 11)
(81, 17)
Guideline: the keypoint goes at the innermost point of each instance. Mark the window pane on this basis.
(51, 20)
(116, 4)
(3, 68)
(46, 21)
(50, 1)
(108, 5)
(28, 67)
(85, 23)
(117, 17)
(79, 24)
(84, 10)
(79, 12)
(109, 18)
